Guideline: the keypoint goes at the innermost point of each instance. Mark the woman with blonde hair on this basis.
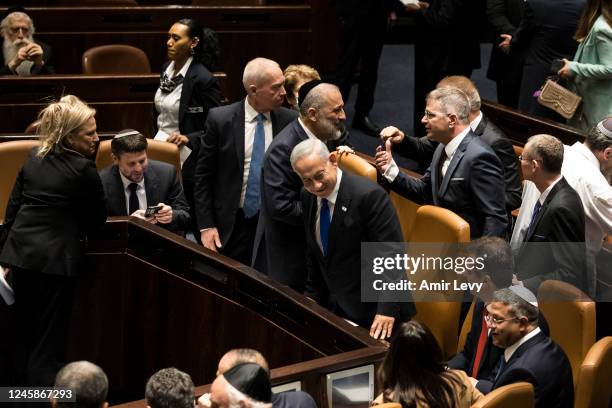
(295, 77)
(591, 70)
(414, 373)
(56, 201)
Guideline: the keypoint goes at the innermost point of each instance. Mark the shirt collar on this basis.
(331, 198)
(250, 114)
(452, 146)
(170, 69)
(308, 132)
(126, 182)
(509, 351)
(474, 124)
(546, 192)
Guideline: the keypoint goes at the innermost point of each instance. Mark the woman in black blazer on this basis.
(56, 201)
(186, 92)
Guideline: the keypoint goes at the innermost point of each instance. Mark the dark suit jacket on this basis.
(504, 17)
(473, 187)
(555, 248)
(47, 67)
(464, 360)
(422, 150)
(362, 213)
(220, 167)
(293, 399)
(55, 202)
(280, 229)
(542, 363)
(161, 186)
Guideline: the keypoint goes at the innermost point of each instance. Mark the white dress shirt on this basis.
(474, 124)
(167, 104)
(140, 193)
(331, 204)
(250, 124)
(509, 351)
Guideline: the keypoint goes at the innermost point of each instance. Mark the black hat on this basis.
(251, 380)
(307, 87)
(12, 9)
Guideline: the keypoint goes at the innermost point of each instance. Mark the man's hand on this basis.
(178, 139)
(382, 326)
(210, 239)
(34, 53)
(140, 214)
(505, 44)
(392, 133)
(565, 71)
(164, 216)
(383, 158)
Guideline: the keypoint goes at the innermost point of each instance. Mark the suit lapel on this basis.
(152, 186)
(311, 217)
(238, 134)
(188, 83)
(544, 207)
(459, 153)
(481, 126)
(116, 190)
(434, 169)
(341, 207)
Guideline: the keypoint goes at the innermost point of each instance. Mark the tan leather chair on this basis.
(594, 385)
(12, 156)
(354, 164)
(406, 211)
(156, 150)
(388, 405)
(437, 224)
(571, 318)
(115, 59)
(509, 396)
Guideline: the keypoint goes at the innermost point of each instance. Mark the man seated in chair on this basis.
(133, 184)
(529, 355)
(479, 355)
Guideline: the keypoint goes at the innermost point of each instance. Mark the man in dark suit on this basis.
(134, 183)
(480, 356)
(229, 164)
(554, 245)
(21, 54)
(422, 149)
(279, 242)
(340, 211)
(465, 175)
(529, 355)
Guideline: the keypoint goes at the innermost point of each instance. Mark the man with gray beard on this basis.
(21, 54)
(280, 244)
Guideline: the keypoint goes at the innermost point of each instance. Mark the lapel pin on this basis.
(344, 208)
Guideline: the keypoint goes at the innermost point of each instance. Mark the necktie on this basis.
(536, 210)
(252, 196)
(440, 167)
(134, 204)
(167, 85)
(500, 366)
(482, 342)
(324, 222)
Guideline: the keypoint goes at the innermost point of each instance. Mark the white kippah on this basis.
(127, 132)
(605, 126)
(524, 294)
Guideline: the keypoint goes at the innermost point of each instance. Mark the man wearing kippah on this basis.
(587, 167)
(134, 183)
(246, 385)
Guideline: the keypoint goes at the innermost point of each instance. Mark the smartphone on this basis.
(556, 65)
(152, 209)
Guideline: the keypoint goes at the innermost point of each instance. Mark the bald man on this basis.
(229, 164)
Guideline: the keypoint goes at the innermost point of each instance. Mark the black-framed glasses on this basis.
(430, 115)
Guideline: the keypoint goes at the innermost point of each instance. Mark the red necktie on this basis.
(482, 341)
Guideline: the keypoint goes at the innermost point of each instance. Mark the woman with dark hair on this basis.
(414, 373)
(186, 92)
(591, 70)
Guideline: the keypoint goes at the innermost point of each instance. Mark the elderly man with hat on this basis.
(246, 385)
(147, 189)
(280, 228)
(587, 168)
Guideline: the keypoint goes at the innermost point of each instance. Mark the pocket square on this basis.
(195, 109)
(457, 179)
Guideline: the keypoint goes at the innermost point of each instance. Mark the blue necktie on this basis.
(536, 210)
(251, 199)
(324, 222)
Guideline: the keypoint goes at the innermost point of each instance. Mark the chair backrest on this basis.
(406, 211)
(437, 224)
(354, 164)
(594, 385)
(12, 156)
(388, 405)
(571, 318)
(115, 59)
(519, 394)
(465, 329)
(518, 150)
(156, 150)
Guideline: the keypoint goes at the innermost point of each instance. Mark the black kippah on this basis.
(307, 87)
(251, 380)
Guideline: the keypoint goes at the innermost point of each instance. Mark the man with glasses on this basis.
(529, 355)
(465, 175)
(21, 54)
(553, 246)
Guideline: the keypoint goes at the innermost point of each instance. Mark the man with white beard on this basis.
(21, 54)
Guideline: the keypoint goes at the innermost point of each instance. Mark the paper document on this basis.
(184, 151)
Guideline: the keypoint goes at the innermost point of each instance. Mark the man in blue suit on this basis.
(465, 175)
(529, 355)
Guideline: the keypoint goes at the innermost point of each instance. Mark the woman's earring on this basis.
(191, 51)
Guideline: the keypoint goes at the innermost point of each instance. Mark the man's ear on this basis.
(252, 89)
(105, 405)
(312, 114)
(453, 120)
(333, 158)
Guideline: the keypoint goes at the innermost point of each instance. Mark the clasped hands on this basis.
(30, 51)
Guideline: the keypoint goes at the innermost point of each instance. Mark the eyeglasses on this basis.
(523, 158)
(15, 30)
(494, 321)
(431, 115)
